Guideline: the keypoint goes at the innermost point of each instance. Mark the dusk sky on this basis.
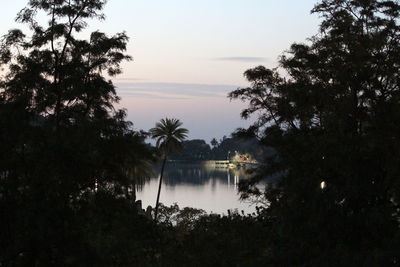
(189, 54)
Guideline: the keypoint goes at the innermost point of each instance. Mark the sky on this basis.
(189, 54)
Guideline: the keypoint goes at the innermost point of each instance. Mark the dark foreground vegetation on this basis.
(70, 163)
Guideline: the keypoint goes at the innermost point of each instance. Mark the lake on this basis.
(198, 185)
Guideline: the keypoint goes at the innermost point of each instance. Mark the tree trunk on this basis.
(159, 187)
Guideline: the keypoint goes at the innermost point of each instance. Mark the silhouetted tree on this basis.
(214, 142)
(196, 149)
(169, 135)
(334, 117)
(64, 148)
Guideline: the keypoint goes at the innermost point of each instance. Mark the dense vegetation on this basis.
(226, 148)
(334, 122)
(70, 163)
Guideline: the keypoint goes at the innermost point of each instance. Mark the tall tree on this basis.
(64, 147)
(334, 119)
(169, 135)
(214, 143)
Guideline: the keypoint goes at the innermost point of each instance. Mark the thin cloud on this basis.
(128, 79)
(159, 95)
(242, 59)
(173, 90)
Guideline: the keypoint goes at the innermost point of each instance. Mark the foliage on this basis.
(230, 146)
(195, 149)
(198, 149)
(233, 240)
(214, 142)
(64, 148)
(211, 239)
(169, 135)
(183, 219)
(333, 118)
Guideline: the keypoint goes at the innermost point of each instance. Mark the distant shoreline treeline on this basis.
(226, 148)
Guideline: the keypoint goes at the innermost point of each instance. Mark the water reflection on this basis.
(200, 185)
(201, 173)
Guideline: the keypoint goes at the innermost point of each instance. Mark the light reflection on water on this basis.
(197, 185)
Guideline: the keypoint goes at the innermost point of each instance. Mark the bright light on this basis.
(323, 184)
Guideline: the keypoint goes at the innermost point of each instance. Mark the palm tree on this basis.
(169, 135)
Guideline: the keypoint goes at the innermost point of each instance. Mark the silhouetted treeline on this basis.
(224, 149)
(69, 161)
(331, 110)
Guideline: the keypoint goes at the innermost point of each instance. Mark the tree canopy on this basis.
(169, 135)
(66, 152)
(332, 112)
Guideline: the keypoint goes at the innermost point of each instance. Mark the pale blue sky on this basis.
(189, 54)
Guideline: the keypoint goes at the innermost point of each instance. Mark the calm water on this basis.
(199, 185)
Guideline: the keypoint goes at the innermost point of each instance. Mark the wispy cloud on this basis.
(242, 59)
(154, 94)
(172, 90)
(128, 79)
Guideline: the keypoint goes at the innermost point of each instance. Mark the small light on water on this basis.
(323, 184)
